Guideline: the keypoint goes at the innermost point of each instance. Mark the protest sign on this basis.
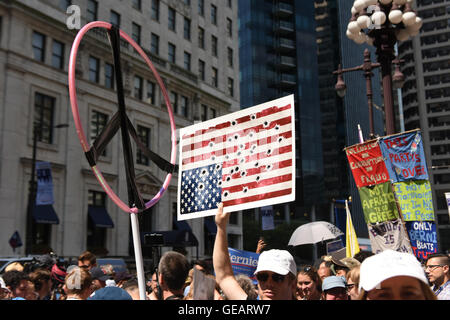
(378, 203)
(447, 197)
(245, 160)
(423, 238)
(415, 200)
(243, 262)
(367, 164)
(404, 156)
(44, 194)
(389, 235)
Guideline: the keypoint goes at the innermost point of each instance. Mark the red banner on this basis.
(367, 164)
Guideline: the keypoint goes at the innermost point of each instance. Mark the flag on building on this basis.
(352, 246)
(245, 159)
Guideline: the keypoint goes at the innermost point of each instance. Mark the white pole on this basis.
(138, 255)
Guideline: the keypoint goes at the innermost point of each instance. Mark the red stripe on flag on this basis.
(223, 138)
(227, 124)
(253, 171)
(258, 197)
(259, 184)
(234, 149)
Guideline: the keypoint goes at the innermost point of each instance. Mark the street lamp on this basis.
(382, 23)
(367, 67)
(33, 187)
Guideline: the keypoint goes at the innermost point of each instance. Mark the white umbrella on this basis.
(314, 232)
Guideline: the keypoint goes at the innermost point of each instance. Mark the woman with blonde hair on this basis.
(392, 275)
(352, 278)
(78, 284)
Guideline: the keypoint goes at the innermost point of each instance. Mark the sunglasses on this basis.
(263, 277)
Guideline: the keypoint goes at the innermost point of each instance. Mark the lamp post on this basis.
(367, 67)
(32, 189)
(386, 22)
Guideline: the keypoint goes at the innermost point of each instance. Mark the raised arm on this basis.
(221, 260)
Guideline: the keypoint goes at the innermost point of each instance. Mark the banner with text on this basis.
(405, 157)
(389, 235)
(243, 262)
(44, 194)
(415, 200)
(378, 203)
(367, 164)
(423, 238)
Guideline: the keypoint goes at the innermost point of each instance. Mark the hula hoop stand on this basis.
(120, 120)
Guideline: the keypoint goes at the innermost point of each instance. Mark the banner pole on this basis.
(138, 255)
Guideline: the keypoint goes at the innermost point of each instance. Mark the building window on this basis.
(92, 11)
(187, 2)
(115, 19)
(154, 46)
(215, 77)
(96, 237)
(231, 87)
(184, 107)
(187, 61)
(214, 49)
(174, 101)
(138, 87)
(58, 54)
(144, 136)
(94, 67)
(230, 4)
(43, 117)
(212, 112)
(98, 123)
(230, 57)
(137, 4)
(213, 14)
(172, 19)
(151, 92)
(201, 70)
(230, 27)
(172, 53)
(204, 113)
(201, 7)
(136, 33)
(109, 76)
(155, 10)
(187, 29)
(38, 46)
(201, 37)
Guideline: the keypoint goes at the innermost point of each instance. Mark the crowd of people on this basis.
(389, 275)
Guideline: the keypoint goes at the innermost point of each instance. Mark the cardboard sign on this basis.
(243, 262)
(367, 164)
(423, 238)
(415, 200)
(389, 235)
(378, 203)
(405, 157)
(244, 159)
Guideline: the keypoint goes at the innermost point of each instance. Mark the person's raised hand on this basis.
(221, 218)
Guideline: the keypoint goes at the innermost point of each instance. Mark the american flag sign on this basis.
(245, 159)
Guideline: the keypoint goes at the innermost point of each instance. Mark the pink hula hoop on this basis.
(85, 144)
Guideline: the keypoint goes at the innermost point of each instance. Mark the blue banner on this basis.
(404, 157)
(423, 238)
(243, 262)
(44, 195)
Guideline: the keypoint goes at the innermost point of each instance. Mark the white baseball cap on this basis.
(278, 261)
(389, 264)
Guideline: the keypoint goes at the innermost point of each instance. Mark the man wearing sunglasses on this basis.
(275, 272)
(437, 270)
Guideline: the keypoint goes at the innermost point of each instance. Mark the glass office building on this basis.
(278, 57)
